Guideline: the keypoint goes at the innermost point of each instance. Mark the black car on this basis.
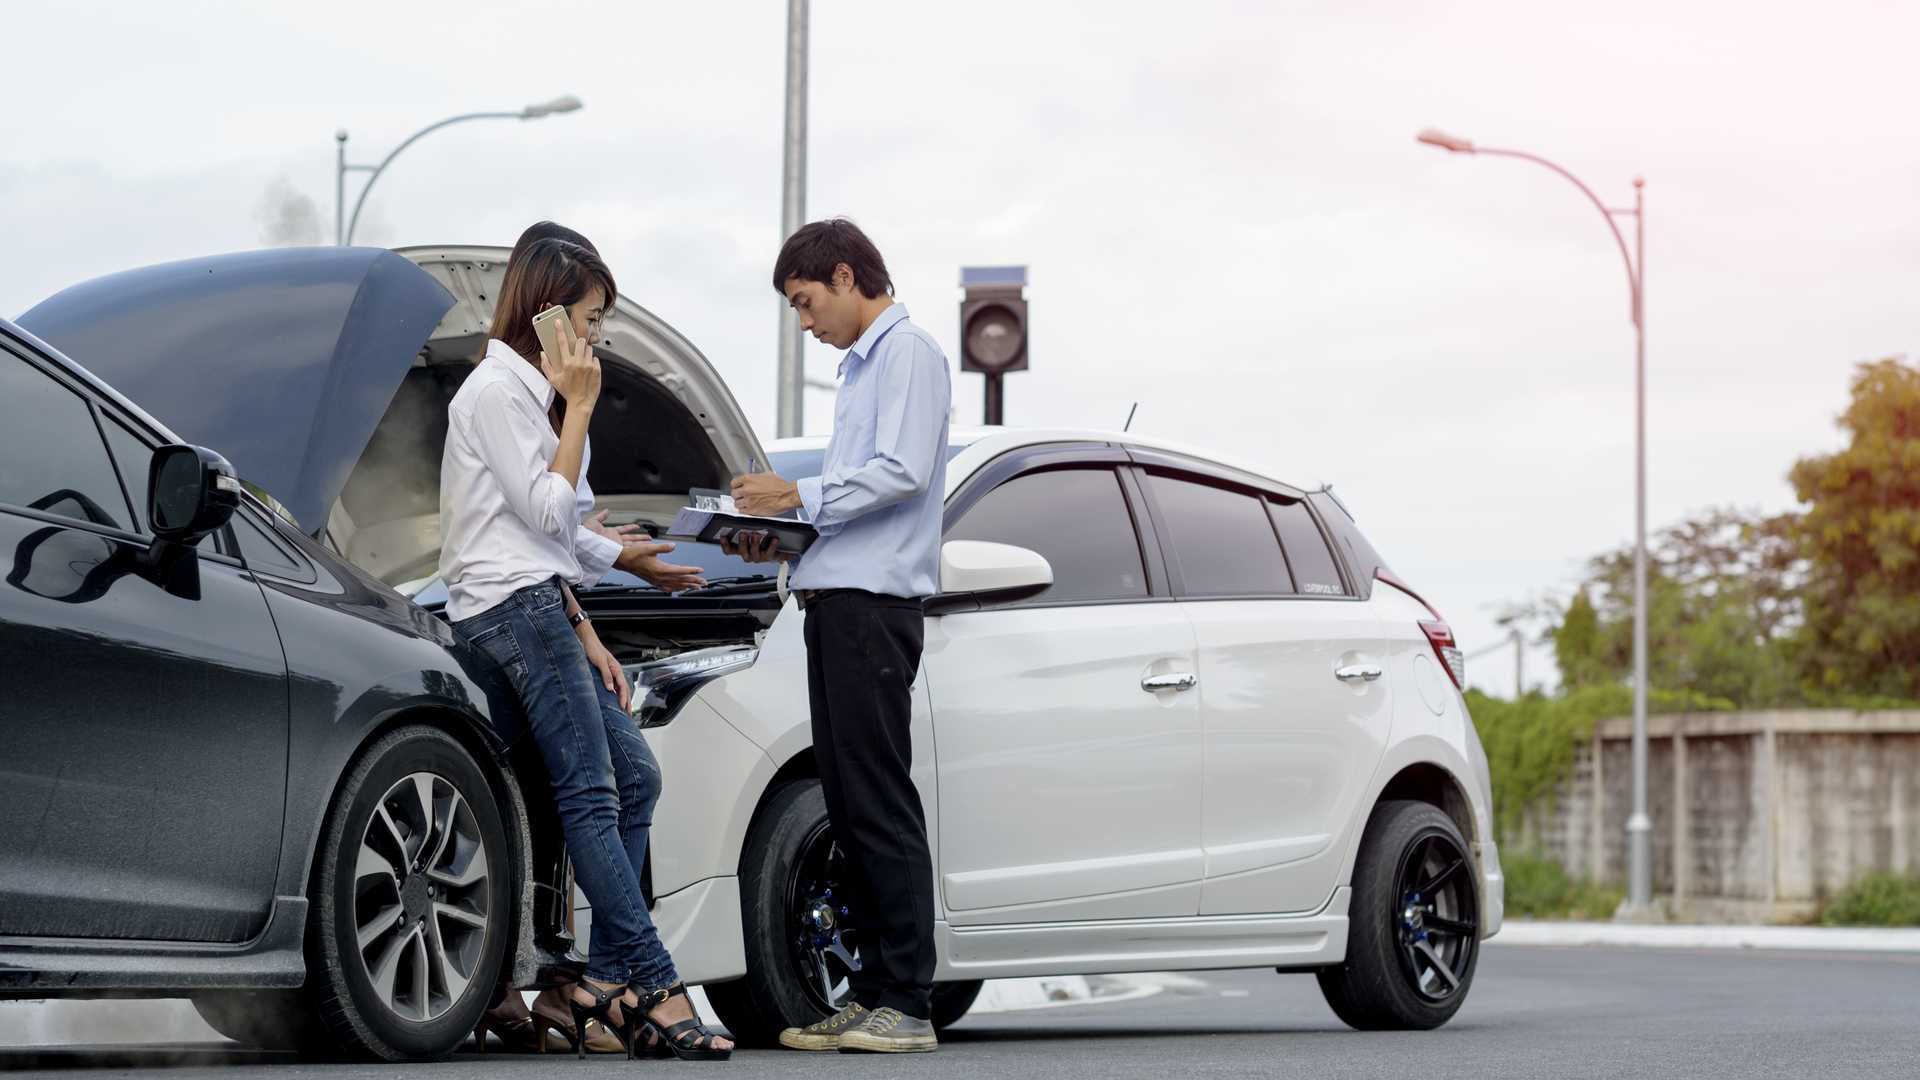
(242, 765)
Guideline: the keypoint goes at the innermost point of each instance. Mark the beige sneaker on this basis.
(825, 1035)
(890, 1031)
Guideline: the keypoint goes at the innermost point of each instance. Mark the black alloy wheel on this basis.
(1413, 923)
(1439, 929)
(801, 928)
(824, 927)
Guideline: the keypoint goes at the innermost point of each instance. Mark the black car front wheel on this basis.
(1413, 926)
(410, 901)
(802, 929)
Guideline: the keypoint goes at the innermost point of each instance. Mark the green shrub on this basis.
(1878, 899)
(1540, 889)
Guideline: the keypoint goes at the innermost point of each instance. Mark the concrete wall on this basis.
(1756, 816)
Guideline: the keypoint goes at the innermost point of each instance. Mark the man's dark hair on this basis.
(816, 248)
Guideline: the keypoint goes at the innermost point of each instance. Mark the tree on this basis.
(1861, 532)
(1722, 609)
(1576, 645)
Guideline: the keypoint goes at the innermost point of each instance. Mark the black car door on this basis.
(143, 732)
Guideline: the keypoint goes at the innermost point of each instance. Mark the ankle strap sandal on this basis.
(688, 1040)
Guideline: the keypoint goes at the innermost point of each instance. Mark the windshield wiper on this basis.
(720, 586)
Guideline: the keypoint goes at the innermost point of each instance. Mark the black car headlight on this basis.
(660, 687)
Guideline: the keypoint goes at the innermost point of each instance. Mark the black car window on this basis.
(51, 456)
(1077, 519)
(1221, 539)
(135, 459)
(1307, 553)
(261, 552)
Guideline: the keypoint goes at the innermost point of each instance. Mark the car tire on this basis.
(268, 1019)
(416, 802)
(775, 994)
(951, 1000)
(1412, 924)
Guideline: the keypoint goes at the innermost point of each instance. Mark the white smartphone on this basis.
(554, 330)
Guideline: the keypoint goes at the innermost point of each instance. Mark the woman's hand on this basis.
(575, 374)
(596, 523)
(611, 673)
(641, 558)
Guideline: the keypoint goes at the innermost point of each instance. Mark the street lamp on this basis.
(1639, 825)
(343, 233)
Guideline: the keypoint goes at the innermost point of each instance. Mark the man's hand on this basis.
(754, 547)
(641, 558)
(620, 534)
(764, 494)
(611, 673)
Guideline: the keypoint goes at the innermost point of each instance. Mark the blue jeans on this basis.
(604, 778)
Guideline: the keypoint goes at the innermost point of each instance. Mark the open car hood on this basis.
(666, 422)
(635, 339)
(324, 375)
(284, 361)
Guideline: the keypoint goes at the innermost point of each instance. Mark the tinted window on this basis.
(1221, 539)
(134, 457)
(51, 456)
(1077, 519)
(1313, 565)
(260, 552)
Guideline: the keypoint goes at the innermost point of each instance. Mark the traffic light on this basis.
(993, 327)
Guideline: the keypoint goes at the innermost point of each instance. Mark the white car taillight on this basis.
(1440, 636)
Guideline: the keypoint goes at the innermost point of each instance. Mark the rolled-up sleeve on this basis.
(596, 553)
(909, 434)
(507, 437)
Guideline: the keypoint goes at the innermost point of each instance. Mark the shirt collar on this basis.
(535, 382)
(882, 322)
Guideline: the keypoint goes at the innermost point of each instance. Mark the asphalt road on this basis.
(1534, 1012)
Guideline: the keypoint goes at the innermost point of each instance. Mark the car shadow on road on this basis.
(138, 1056)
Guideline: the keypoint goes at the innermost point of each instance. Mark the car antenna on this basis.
(1128, 426)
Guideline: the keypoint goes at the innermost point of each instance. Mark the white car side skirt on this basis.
(1087, 948)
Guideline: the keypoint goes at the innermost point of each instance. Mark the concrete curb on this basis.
(1633, 935)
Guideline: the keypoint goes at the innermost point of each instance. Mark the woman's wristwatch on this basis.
(576, 619)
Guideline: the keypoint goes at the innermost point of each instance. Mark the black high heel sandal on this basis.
(688, 1040)
(627, 1031)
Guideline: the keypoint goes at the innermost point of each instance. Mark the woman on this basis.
(514, 463)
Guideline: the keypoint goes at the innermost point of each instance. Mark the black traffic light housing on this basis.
(993, 326)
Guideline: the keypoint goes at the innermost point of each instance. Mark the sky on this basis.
(1225, 213)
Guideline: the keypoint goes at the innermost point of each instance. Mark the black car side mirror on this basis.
(191, 491)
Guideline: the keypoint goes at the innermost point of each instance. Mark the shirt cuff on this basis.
(810, 498)
(596, 553)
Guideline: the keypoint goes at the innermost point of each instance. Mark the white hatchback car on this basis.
(1171, 714)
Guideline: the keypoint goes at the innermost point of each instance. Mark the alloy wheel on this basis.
(1436, 921)
(421, 897)
(823, 921)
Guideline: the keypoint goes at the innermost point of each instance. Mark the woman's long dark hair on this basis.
(548, 272)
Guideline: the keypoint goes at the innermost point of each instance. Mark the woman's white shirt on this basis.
(507, 519)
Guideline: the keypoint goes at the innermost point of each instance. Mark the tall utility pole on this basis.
(1639, 823)
(793, 214)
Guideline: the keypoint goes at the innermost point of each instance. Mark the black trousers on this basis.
(863, 651)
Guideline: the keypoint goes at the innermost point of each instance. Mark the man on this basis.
(877, 505)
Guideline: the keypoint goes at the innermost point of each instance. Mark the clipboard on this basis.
(712, 519)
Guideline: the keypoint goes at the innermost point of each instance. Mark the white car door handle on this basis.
(1186, 680)
(1357, 672)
